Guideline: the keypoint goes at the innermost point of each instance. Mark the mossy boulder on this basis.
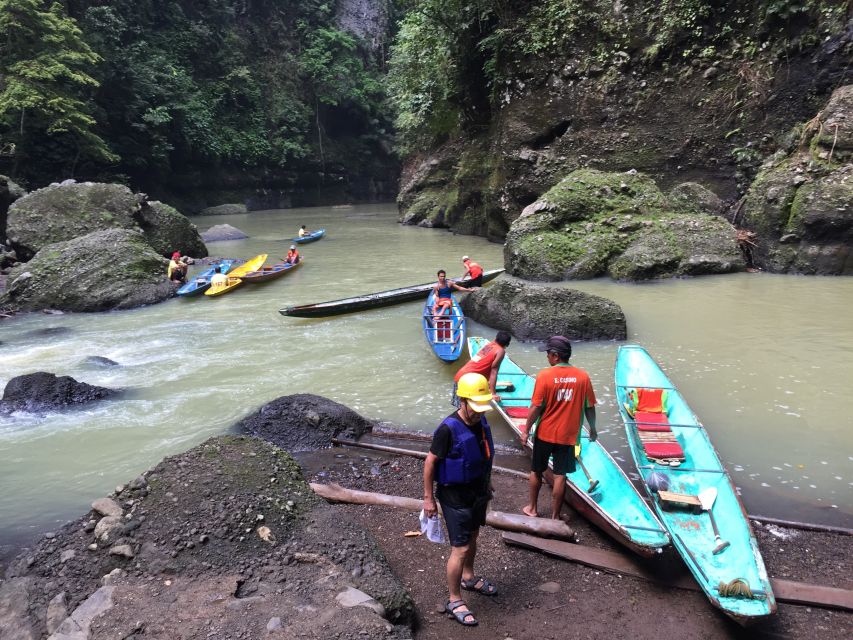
(101, 271)
(167, 230)
(64, 211)
(225, 210)
(532, 311)
(835, 134)
(9, 192)
(594, 223)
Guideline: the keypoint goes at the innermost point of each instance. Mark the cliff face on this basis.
(704, 104)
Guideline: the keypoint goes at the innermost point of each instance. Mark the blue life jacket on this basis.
(465, 461)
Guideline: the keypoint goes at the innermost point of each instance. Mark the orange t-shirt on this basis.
(480, 363)
(566, 391)
(474, 268)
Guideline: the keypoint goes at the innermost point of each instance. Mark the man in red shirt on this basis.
(562, 397)
(486, 363)
(473, 271)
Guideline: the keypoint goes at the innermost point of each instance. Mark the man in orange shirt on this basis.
(486, 363)
(473, 271)
(562, 397)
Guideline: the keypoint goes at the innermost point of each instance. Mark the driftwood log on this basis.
(543, 527)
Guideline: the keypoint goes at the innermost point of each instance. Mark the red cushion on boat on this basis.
(517, 412)
(647, 421)
(663, 450)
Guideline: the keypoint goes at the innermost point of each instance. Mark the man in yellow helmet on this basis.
(460, 462)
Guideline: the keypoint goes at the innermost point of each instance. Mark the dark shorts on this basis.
(461, 522)
(564, 457)
(476, 282)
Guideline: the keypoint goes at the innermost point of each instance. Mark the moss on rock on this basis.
(167, 230)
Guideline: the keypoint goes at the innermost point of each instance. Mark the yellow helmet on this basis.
(475, 389)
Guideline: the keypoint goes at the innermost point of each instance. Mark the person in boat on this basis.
(486, 362)
(460, 462)
(292, 255)
(443, 289)
(473, 271)
(562, 397)
(218, 279)
(177, 270)
(303, 232)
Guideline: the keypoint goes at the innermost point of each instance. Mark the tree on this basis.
(44, 65)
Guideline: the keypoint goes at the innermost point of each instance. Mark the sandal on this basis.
(486, 588)
(452, 609)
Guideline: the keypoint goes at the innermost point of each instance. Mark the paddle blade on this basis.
(707, 498)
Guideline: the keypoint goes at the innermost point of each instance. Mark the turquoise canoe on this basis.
(615, 506)
(731, 575)
(445, 333)
(200, 283)
(310, 237)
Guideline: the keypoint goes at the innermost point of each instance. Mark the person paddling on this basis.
(292, 255)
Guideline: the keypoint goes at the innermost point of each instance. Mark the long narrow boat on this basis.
(310, 237)
(614, 506)
(234, 280)
(670, 442)
(445, 333)
(271, 272)
(373, 300)
(200, 283)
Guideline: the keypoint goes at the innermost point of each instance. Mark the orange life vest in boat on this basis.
(650, 400)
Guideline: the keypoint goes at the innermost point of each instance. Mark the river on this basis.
(764, 360)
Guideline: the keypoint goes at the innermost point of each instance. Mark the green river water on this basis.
(764, 361)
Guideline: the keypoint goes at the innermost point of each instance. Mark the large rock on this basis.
(42, 391)
(619, 224)
(800, 206)
(225, 210)
(534, 311)
(220, 232)
(167, 230)
(105, 270)
(65, 211)
(304, 421)
(9, 192)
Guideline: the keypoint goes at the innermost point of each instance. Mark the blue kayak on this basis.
(200, 283)
(445, 333)
(310, 237)
(614, 505)
(691, 491)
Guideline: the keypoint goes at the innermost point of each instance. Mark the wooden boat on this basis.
(200, 283)
(695, 496)
(310, 237)
(271, 272)
(614, 505)
(373, 300)
(234, 275)
(445, 333)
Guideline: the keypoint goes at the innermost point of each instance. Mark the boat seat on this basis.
(659, 442)
(649, 421)
(517, 412)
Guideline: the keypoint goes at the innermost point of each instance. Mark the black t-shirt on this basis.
(466, 494)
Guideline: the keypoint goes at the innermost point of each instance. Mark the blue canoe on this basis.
(731, 575)
(614, 505)
(445, 333)
(200, 283)
(310, 237)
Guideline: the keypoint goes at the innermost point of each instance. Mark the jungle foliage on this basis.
(455, 61)
(138, 89)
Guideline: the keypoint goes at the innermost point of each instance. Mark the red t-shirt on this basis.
(481, 363)
(566, 391)
(474, 268)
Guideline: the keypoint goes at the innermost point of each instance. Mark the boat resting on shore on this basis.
(690, 489)
(373, 300)
(614, 505)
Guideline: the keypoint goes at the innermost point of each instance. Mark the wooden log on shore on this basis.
(543, 527)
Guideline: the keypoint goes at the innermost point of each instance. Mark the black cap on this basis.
(559, 345)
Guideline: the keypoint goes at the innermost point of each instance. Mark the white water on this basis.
(765, 362)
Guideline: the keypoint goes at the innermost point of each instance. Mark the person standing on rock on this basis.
(486, 362)
(562, 397)
(460, 463)
(473, 271)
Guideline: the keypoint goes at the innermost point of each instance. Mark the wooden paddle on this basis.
(706, 499)
(592, 483)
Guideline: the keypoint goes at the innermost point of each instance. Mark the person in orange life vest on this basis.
(442, 289)
(460, 463)
(562, 397)
(486, 363)
(292, 255)
(473, 271)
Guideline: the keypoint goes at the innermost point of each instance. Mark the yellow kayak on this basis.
(234, 275)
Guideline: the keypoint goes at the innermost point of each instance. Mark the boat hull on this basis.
(445, 333)
(310, 237)
(200, 283)
(372, 300)
(234, 280)
(692, 530)
(614, 506)
(273, 272)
